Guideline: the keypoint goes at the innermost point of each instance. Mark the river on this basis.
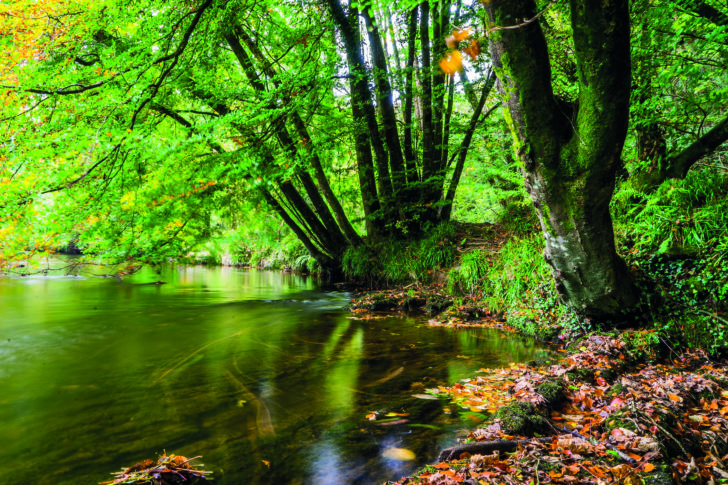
(262, 373)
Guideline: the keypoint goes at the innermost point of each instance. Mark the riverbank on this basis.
(646, 405)
(609, 411)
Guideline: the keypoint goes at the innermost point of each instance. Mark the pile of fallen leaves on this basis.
(615, 420)
(167, 470)
(431, 299)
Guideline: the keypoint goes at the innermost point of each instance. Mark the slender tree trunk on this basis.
(570, 161)
(323, 182)
(365, 161)
(409, 152)
(395, 48)
(321, 223)
(428, 138)
(462, 152)
(302, 131)
(438, 78)
(324, 260)
(446, 125)
(335, 234)
(386, 105)
(361, 94)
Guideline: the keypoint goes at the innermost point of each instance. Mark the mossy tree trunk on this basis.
(570, 153)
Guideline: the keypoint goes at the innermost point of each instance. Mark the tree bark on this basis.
(324, 260)
(323, 182)
(386, 105)
(428, 145)
(570, 159)
(324, 226)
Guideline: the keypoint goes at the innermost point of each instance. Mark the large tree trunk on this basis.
(570, 155)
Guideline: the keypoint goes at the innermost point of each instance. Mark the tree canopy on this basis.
(137, 127)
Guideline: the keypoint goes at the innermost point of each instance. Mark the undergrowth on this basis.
(397, 262)
(676, 240)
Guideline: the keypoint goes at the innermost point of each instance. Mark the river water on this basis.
(262, 373)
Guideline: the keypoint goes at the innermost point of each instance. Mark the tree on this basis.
(239, 99)
(679, 103)
(570, 151)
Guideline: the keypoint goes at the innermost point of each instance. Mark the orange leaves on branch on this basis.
(455, 37)
(473, 50)
(452, 63)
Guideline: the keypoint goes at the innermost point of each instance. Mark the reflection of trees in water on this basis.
(295, 394)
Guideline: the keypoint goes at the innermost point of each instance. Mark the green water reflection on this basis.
(241, 367)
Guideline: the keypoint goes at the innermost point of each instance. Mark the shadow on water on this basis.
(262, 373)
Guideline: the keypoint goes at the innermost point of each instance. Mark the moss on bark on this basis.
(522, 419)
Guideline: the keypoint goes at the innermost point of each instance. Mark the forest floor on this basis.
(604, 414)
(616, 408)
(610, 411)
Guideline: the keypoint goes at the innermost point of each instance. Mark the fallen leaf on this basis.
(398, 454)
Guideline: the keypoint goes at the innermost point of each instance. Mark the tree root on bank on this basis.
(486, 448)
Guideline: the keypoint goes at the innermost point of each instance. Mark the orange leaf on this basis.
(473, 50)
(674, 397)
(649, 467)
(452, 63)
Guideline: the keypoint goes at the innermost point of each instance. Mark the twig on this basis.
(682, 448)
(711, 315)
(525, 22)
(481, 447)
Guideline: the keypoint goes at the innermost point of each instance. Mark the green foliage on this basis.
(491, 189)
(677, 238)
(684, 216)
(519, 285)
(397, 262)
(519, 271)
(469, 275)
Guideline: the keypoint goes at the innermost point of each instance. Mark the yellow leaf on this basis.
(398, 454)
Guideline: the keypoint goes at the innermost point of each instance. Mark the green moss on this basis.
(582, 374)
(615, 390)
(620, 419)
(553, 391)
(661, 475)
(437, 304)
(522, 419)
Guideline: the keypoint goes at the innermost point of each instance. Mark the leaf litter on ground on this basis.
(622, 421)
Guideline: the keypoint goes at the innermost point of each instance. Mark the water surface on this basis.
(262, 373)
